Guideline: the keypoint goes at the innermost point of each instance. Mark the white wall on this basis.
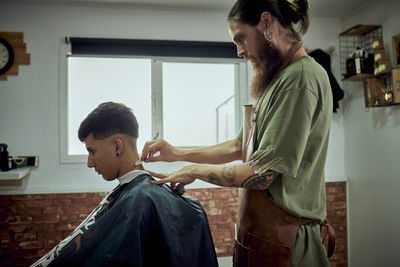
(372, 159)
(29, 102)
(323, 33)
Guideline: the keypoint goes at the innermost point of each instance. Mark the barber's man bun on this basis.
(297, 13)
(292, 14)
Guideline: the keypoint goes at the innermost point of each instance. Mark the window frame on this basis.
(240, 93)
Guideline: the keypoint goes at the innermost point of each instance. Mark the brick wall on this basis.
(337, 215)
(30, 225)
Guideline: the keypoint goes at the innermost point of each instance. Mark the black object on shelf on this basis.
(4, 163)
(359, 65)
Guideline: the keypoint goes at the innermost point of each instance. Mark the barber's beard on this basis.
(265, 66)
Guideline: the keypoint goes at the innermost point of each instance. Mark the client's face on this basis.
(102, 157)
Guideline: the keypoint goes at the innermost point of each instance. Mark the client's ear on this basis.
(119, 146)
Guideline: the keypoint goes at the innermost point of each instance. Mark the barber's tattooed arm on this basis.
(228, 177)
(260, 181)
(251, 175)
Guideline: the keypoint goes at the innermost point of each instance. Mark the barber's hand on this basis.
(181, 177)
(167, 151)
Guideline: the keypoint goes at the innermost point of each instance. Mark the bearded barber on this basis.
(283, 143)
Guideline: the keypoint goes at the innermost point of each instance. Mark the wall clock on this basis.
(6, 56)
(12, 53)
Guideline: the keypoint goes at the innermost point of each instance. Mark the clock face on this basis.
(6, 56)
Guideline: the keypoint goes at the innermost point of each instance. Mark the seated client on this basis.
(138, 223)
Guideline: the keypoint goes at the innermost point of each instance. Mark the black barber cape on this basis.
(139, 224)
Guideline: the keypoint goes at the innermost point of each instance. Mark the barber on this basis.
(283, 142)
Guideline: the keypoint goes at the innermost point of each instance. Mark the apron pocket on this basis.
(266, 253)
(240, 255)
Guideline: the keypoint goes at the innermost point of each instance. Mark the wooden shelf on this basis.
(360, 29)
(383, 105)
(359, 77)
(15, 174)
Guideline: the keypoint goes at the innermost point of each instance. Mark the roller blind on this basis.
(152, 48)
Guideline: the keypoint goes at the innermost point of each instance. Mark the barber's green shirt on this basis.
(294, 120)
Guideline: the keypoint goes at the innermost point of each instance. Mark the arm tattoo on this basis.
(229, 173)
(212, 178)
(260, 182)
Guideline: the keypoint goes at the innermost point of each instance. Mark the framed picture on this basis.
(396, 50)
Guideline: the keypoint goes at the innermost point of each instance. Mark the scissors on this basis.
(139, 162)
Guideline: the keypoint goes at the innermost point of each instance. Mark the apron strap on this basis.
(330, 233)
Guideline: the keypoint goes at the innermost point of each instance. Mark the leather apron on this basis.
(266, 233)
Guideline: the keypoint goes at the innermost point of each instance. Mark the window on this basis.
(190, 101)
(92, 81)
(192, 93)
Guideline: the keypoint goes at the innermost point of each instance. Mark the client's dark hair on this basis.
(107, 119)
(288, 13)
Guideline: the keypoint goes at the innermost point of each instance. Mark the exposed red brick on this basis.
(2, 253)
(222, 194)
(72, 218)
(27, 210)
(221, 251)
(4, 235)
(31, 244)
(4, 243)
(16, 203)
(49, 244)
(26, 197)
(23, 253)
(41, 227)
(222, 233)
(62, 202)
(88, 201)
(4, 201)
(219, 219)
(214, 211)
(77, 209)
(341, 214)
(71, 196)
(49, 236)
(19, 219)
(338, 205)
(53, 210)
(17, 228)
(220, 205)
(5, 262)
(201, 194)
(65, 234)
(66, 227)
(47, 218)
(39, 203)
(339, 256)
(25, 236)
(334, 190)
(340, 241)
(48, 196)
(20, 263)
(4, 211)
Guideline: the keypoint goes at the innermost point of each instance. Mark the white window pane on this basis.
(92, 81)
(225, 120)
(191, 94)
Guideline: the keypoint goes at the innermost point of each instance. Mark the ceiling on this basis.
(319, 8)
